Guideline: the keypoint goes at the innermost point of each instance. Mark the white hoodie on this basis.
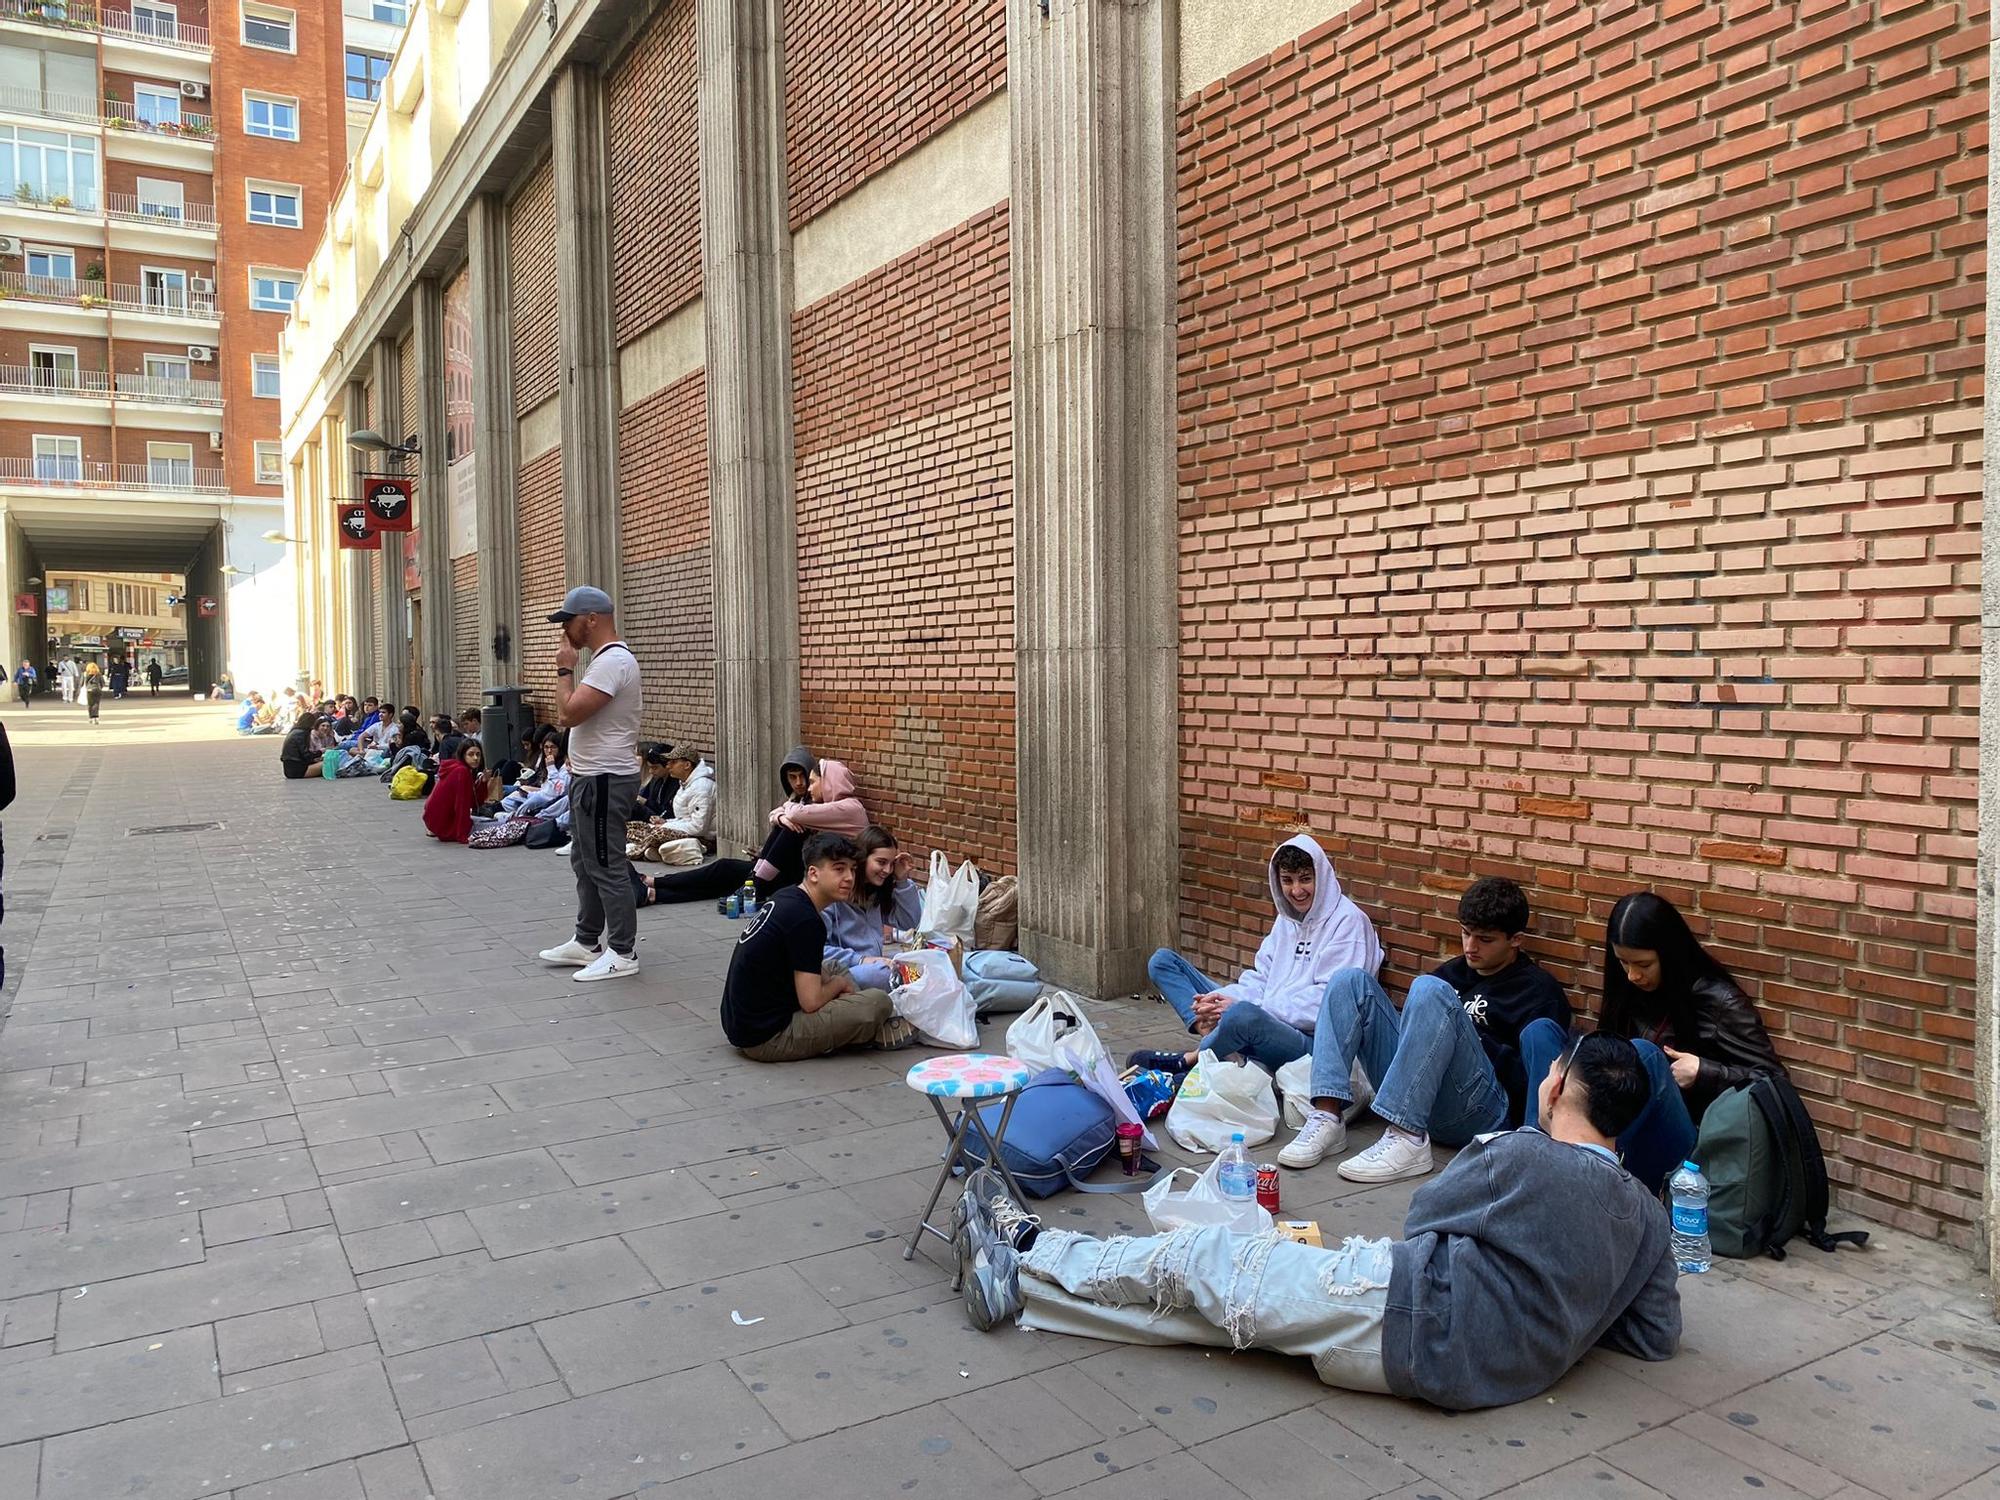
(1295, 961)
(694, 806)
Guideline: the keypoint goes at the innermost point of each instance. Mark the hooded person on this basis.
(815, 801)
(448, 808)
(687, 836)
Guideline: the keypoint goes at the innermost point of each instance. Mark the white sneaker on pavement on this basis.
(572, 953)
(1390, 1159)
(610, 964)
(1321, 1136)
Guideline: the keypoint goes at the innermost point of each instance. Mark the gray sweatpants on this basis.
(598, 806)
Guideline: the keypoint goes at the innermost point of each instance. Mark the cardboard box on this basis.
(1301, 1231)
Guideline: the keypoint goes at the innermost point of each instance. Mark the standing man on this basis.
(153, 676)
(601, 713)
(24, 682)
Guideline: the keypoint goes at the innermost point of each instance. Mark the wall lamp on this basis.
(371, 441)
(279, 536)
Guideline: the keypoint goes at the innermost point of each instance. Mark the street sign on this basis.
(356, 525)
(390, 499)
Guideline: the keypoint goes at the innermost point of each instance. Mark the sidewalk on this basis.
(315, 1185)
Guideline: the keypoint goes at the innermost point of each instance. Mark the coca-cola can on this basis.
(1267, 1186)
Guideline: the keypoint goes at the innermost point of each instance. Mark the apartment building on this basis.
(164, 172)
(102, 617)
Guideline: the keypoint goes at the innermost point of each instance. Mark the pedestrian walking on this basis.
(153, 676)
(93, 690)
(121, 677)
(66, 678)
(601, 713)
(24, 683)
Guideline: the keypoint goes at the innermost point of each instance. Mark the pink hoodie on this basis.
(838, 809)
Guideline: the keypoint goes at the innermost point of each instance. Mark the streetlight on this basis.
(279, 536)
(371, 441)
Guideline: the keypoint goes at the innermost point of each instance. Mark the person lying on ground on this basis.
(776, 1006)
(1697, 1033)
(1526, 1253)
(1318, 932)
(448, 808)
(685, 834)
(783, 844)
(296, 754)
(885, 901)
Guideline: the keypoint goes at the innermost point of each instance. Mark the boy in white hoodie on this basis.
(1318, 932)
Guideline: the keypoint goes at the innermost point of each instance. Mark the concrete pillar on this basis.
(393, 601)
(746, 307)
(1986, 1056)
(1091, 100)
(354, 565)
(587, 334)
(496, 461)
(441, 688)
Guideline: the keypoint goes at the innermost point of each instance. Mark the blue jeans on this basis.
(1430, 1073)
(1258, 1036)
(1178, 981)
(1652, 1145)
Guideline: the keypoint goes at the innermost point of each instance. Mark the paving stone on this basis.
(352, 1119)
(452, 1233)
(1086, 1465)
(235, 1279)
(437, 1309)
(1196, 1400)
(462, 1072)
(330, 1062)
(602, 1446)
(591, 1212)
(1023, 1422)
(266, 1338)
(233, 1442)
(1175, 1478)
(394, 1474)
(209, 1186)
(748, 1238)
(1682, 1468)
(421, 1194)
(1268, 1457)
(391, 1245)
(592, 1080)
(341, 1481)
(244, 1221)
(112, 1161)
(927, 1452)
(70, 1392)
(690, 1141)
(516, 1132)
(492, 1409)
(20, 1467)
(444, 1375)
(41, 1260)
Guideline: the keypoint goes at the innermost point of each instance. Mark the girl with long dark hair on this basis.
(885, 900)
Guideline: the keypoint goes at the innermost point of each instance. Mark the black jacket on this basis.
(1500, 1005)
(1727, 1035)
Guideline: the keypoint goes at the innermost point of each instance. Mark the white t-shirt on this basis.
(608, 741)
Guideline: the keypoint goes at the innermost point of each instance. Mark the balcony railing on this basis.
(160, 390)
(169, 390)
(38, 380)
(27, 195)
(153, 301)
(130, 206)
(122, 114)
(90, 474)
(85, 15)
(45, 105)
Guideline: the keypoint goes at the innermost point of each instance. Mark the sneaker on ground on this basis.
(610, 964)
(988, 1267)
(563, 850)
(1164, 1062)
(895, 1035)
(1391, 1159)
(1321, 1136)
(572, 953)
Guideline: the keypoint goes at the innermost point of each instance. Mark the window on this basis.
(38, 166)
(162, 200)
(270, 464)
(58, 460)
(170, 464)
(273, 291)
(51, 367)
(49, 264)
(154, 18)
(168, 367)
(365, 74)
(274, 203)
(272, 116)
(155, 106)
(164, 289)
(394, 12)
(264, 375)
(268, 27)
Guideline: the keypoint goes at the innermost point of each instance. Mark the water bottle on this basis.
(1237, 1178)
(1690, 1194)
(747, 901)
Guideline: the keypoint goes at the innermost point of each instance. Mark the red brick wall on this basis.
(540, 519)
(906, 539)
(1579, 480)
(465, 629)
(531, 252)
(655, 173)
(866, 83)
(665, 607)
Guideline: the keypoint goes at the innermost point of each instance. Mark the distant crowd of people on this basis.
(85, 682)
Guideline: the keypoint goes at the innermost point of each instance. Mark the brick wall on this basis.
(465, 630)
(1579, 480)
(531, 253)
(655, 134)
(906, 539)
(540, 519)
(664, 604)
(866, 83)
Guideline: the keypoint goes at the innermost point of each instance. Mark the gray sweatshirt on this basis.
(1523, 1254)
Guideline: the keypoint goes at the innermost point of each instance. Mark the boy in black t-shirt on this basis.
(775, 1005)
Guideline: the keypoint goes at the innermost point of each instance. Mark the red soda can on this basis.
(1267, 1186)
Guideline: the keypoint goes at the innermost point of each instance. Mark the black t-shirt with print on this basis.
(760, 997)
(1499, 1006)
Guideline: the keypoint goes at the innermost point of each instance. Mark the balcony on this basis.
(80, 474)
(132, 209)
(120, 114)
(168, 390)
(36, 380)
(154, 302)
(76, 109)
(86, 15)
(154, 390)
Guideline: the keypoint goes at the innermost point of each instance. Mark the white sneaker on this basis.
(1390, 1159)
(1322, 1135)
(610, 964)
(572, 953)
(564, 850)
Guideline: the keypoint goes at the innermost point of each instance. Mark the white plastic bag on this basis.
(1055, 1032)
(1202, 1205)
(929, 995)
(1294, 1083)
(951, 902)
(1218, 1099)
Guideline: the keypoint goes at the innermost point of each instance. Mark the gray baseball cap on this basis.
(582, 600)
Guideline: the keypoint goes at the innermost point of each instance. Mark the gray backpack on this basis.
(1766, 1177)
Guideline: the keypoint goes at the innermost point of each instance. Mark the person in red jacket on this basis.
(448, 809)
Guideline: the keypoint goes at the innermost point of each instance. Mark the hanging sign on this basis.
(356, 525)
(24, 604)
(390, 499)
(206, 607)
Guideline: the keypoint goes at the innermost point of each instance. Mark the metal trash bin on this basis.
(503, 719)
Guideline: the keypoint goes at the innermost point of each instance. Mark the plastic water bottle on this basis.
(1690, 1194)
(747, 901)
(1237, 1178)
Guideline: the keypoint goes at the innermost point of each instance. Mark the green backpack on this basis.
(1766, 1177)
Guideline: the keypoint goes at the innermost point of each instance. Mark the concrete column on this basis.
(1091, 91)
(496, 461)
(354, 565)
(1986, 1056)
(587, 335)
(394, 601)
(441, 688)
(746, 307)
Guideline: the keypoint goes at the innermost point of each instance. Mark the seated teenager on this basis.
(246, 717)
(1529, 1251)
(297, 755)
(323, 737)
(657, 783)
(1697, 1032)
(486, 787)
(776, 1007)
(379, 738)
(885, 900)
(686, 838)
(1450, 1066)
(1318, 932)
(549, 797)
(448, 808)
(829, 803)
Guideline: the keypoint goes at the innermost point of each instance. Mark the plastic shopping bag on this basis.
(1218, 1099)
(407, 785)
(1054, 1032)
(1202, 1205)
(1294, 1082)
(951, 902)
(928, 993)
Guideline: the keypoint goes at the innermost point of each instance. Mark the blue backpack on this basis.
(1058, 1132)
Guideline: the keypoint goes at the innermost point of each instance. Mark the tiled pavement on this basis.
(314, 1186)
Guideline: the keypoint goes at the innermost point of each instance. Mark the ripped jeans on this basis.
(1208, 1286)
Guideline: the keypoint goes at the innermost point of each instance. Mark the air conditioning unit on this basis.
(215, 441)
(203, 285)
(192, 90)
(9, 245)
(201, 354)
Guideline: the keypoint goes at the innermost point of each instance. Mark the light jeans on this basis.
(1208, 1286)
(1178, 982)
(1257, 1036)
(1652, 1145)
(1429, 1070)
